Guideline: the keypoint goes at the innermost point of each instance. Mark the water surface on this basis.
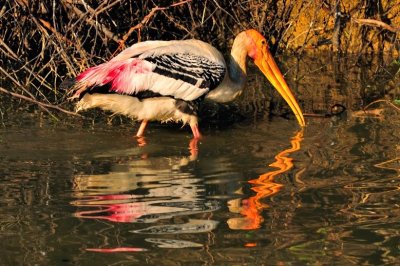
(258, 192)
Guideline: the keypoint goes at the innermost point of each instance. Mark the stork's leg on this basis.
(142, 127)
(196, 131)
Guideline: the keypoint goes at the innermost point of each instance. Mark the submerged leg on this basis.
(142, 127)
(193, 148)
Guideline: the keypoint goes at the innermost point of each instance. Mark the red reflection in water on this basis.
(112, 250)
(264, 186)
(122, 213)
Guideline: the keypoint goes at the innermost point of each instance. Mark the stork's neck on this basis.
(237, 64)
(235, 80)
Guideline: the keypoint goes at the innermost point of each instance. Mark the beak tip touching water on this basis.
(267, 65)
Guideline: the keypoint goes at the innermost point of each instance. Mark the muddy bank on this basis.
(356, 26)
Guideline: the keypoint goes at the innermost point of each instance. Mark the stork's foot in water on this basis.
(140, 134)
(141, 129)
(193, 145)
(193, 148)
(141, 141)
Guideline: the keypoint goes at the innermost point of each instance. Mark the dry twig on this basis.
(376, 23)
(43, 105)
(10, 52)
(108, 33)
(144, 21)
(384, 101)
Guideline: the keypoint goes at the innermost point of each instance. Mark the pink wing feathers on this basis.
(168, 68)
(120, 75)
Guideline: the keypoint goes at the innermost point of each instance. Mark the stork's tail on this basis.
(78, 86)
(73, 87)
(68, 84)
(98, 76)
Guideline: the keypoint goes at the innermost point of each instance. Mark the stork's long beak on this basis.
(267, 65)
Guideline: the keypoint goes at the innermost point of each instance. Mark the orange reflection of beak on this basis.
(267, 65)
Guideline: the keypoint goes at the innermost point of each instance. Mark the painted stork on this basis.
(167, 80)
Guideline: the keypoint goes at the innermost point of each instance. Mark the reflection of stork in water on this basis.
(264, 186)
(145, 191)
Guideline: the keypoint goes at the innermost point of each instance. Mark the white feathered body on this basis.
(148, 80)
(158, 108)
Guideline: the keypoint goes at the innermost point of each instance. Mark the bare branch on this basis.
(10, 52)
(144, 21)
(109, 34)
(376, 23)
(43, 105)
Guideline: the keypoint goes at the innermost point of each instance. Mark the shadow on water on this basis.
(90, 194)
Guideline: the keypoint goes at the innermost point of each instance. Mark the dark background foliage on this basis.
(44, 41)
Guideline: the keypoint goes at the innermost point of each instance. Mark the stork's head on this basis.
(257, 49)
